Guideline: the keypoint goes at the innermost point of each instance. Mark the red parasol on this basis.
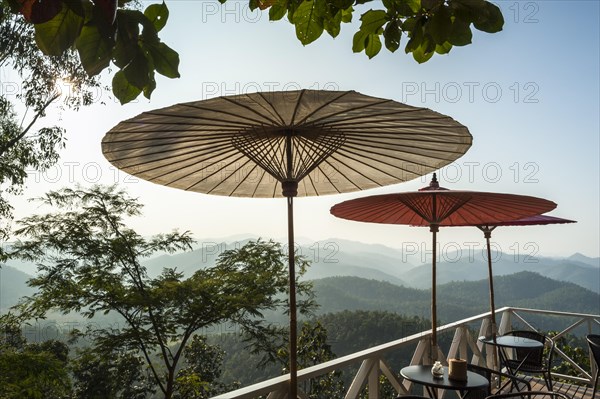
(436, 206)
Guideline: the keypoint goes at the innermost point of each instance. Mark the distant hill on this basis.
(455, 300)
(577, 257)
(336, 257)
(335, 294)
(466, 269)
(328, 258)
(13, 285)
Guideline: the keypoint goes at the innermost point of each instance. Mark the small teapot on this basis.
(437, 370)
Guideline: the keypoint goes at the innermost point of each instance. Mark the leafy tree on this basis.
(102, 32)
(432, 26)
(24, 146)
(201, 378)
(20, 151)
(114, 375)
(31, 371)
(10, 333)
(89, 261)
(105, 32)
(313, 349)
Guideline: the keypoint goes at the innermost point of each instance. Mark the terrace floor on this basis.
(571, 390)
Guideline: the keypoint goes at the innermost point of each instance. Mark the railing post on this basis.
(363, 373)
(505, 322)
(392, 378)
(478, 354)
(456, 342)
(421, 352)
(374, 381)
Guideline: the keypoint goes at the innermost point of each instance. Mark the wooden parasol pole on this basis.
(290, 190)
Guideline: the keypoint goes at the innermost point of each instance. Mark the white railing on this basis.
(464, 345)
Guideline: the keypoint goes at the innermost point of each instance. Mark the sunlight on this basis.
(64, 89)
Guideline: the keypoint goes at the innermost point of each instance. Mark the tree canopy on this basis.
(31, 371)
(23, 145)
(115, 32)
(89, 261)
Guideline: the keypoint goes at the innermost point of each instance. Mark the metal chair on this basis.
(532, 361)
(594, 343)
(530, 395)
(517, 383)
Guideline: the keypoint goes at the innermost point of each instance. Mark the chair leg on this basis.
(548, 378)
(595, 383)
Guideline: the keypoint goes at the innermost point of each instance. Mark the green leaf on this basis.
(166, 60)
(57, 35)
(261, 4)
(253, 4)
(333, 25)
(428, 43)
(443, 48)
(149, 33)
(358, 41)
(128, 33)
(373, 21)
(409, 24)
(308, 22)
(431, 4)
(439, 25)
(278, 10)
(158, 14)
(347, 15)
(138, 70)
(467, 10)
(149, 88)
(373, 45)
(461, 34)
(78, 7)
(416, 37)
(94, 49)
(122, 89)
(415, 5)
(421, 55)
(490, 20)
(392, 35)
(402, 8)
(341, 4)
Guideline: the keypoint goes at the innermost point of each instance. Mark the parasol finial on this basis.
(433, 185)
(434, 181)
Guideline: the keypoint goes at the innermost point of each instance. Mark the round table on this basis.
(422, 375)
(504, 342)
(512, 341)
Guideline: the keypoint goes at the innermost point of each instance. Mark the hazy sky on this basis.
(529, 95)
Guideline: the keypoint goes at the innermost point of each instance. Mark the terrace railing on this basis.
(464, 345)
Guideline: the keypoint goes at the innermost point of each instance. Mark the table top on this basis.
(512, 341)
(422, 375)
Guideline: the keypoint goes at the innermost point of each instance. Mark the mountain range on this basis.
(337, 257)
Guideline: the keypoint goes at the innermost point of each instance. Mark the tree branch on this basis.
(12, 142)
